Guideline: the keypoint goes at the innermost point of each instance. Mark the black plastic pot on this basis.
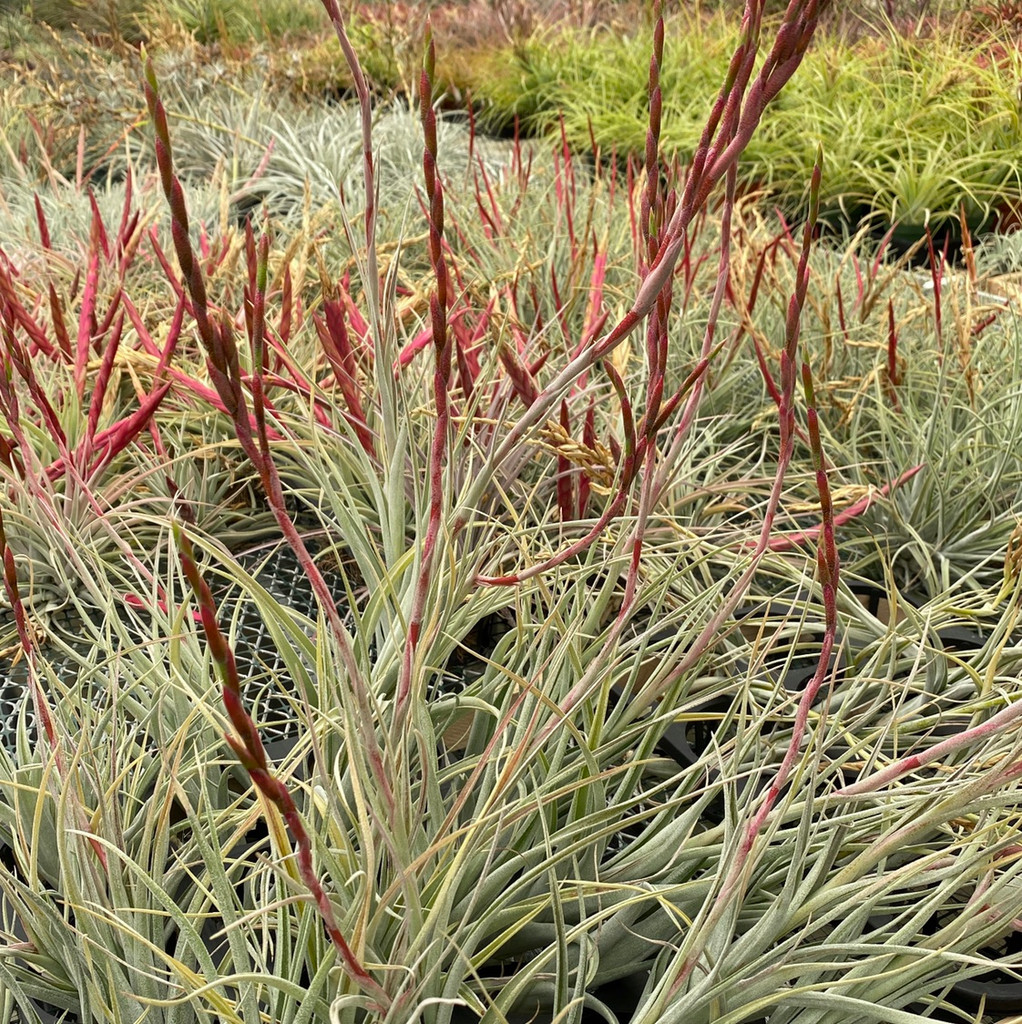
(621, 997)
(953, 638)
(996, 991)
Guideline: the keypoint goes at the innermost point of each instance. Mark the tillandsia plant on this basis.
(93, 403)
(389, 712)
(477, 827)
(917, 119)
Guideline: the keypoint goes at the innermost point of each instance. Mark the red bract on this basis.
(442, 366)
(333, 336)
(103, 310)
(251, 753)
(217, 337)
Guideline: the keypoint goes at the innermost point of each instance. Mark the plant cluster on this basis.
(598, 491)
(914, 126)
(918, 121)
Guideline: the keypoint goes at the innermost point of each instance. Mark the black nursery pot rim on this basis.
(969, 994)
(953, 638)
(994, 996)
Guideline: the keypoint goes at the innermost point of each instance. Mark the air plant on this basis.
(727, 132)
(512, 838)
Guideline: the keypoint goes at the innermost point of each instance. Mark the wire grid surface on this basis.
(260, 664)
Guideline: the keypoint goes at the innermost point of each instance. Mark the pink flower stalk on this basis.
(788, 541)
(893, 373)
(59, 328)
(217, 338)
(333, 337)
(47, 728)
(937, 277)
(655, 209)
(999, 723)
(44, 228)
(595, 316)
(87, 314)
(827, 573)
(651, 207)
(442, 349)
(249, 749)
(518, 373)
(734, 118)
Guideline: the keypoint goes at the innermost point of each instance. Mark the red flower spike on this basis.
(44, 228)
